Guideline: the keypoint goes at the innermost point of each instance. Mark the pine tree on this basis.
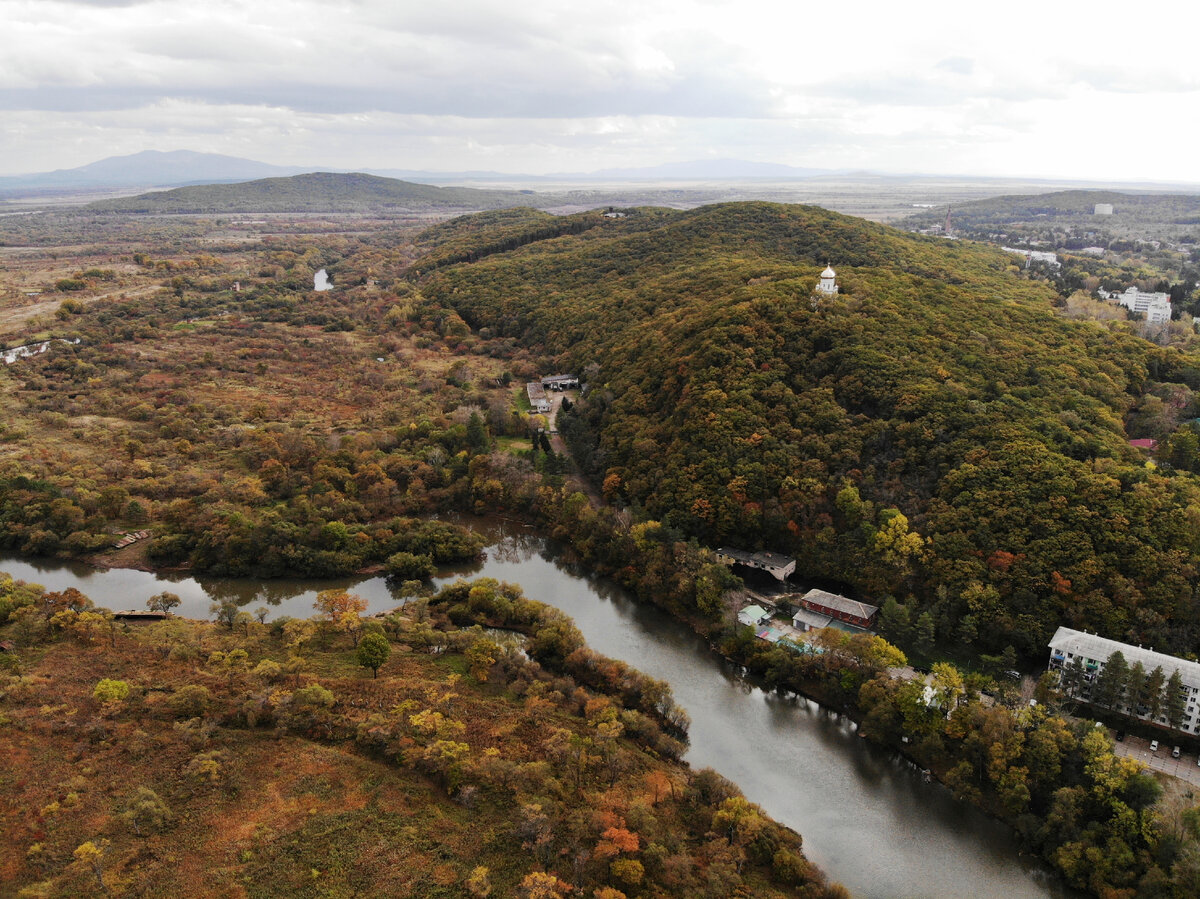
(1111, 681)
(1154, 693)
(1135, 690)
(1175, 700)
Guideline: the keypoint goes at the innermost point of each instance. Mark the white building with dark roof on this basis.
(560, 382)
(1093, 652)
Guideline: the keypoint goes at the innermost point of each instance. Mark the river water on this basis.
(868, 819)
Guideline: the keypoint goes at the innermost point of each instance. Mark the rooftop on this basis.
(812, 619)
(761, 559)
(753, 613)
(841, 603)
(1093, 646)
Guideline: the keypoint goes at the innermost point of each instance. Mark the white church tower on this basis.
(828, 283)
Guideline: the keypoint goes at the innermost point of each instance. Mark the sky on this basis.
(1022, 89)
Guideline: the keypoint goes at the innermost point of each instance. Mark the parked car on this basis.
(1154, 745)
(1120, 736)
(1175, 752)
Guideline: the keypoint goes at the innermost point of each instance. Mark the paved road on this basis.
(1184, 767)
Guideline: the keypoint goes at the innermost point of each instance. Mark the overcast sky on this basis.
(1049, 89)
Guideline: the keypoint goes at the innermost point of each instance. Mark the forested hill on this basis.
(934, 433)
(1071, 212)
(316, 192)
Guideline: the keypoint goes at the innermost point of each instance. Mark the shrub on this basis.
(191, 701)
(109, 690)
(410, 566)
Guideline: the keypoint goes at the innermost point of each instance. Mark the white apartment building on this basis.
(1156, 307)
(1094, 651)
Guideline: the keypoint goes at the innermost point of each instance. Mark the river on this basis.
(867, 817)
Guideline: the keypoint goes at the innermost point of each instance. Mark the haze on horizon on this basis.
(1025, 90)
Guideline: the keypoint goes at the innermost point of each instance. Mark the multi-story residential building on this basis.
(1090, 653)
(1156, 307)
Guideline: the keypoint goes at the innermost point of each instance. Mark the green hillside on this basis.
(317, 192)
(936, 432)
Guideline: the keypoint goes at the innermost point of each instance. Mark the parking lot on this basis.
(1184, 767)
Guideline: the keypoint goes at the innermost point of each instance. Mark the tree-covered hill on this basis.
(1148, 238)
(1151, 240)
(316, 192)
(1070, 207)
(935, 432)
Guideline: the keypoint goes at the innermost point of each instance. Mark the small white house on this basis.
(753, 616)
(538, 400)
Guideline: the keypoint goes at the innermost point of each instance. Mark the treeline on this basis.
(657, 563)
(471, 238)
(936, 432)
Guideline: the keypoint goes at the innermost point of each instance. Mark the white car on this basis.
(1154, 745)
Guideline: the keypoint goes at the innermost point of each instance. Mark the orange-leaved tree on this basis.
(343, 609)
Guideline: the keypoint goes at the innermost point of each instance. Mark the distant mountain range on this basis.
(151, 168)
(178, 168)
(703, 181)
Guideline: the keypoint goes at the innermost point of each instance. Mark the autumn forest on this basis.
(945, 438)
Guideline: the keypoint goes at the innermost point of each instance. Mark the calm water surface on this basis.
(867, 817)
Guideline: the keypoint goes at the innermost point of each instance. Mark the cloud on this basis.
(481, 60)
(546, 85)
(957, 64)
(105, 3)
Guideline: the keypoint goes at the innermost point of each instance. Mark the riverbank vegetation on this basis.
(196, 758)
(1092, 815)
